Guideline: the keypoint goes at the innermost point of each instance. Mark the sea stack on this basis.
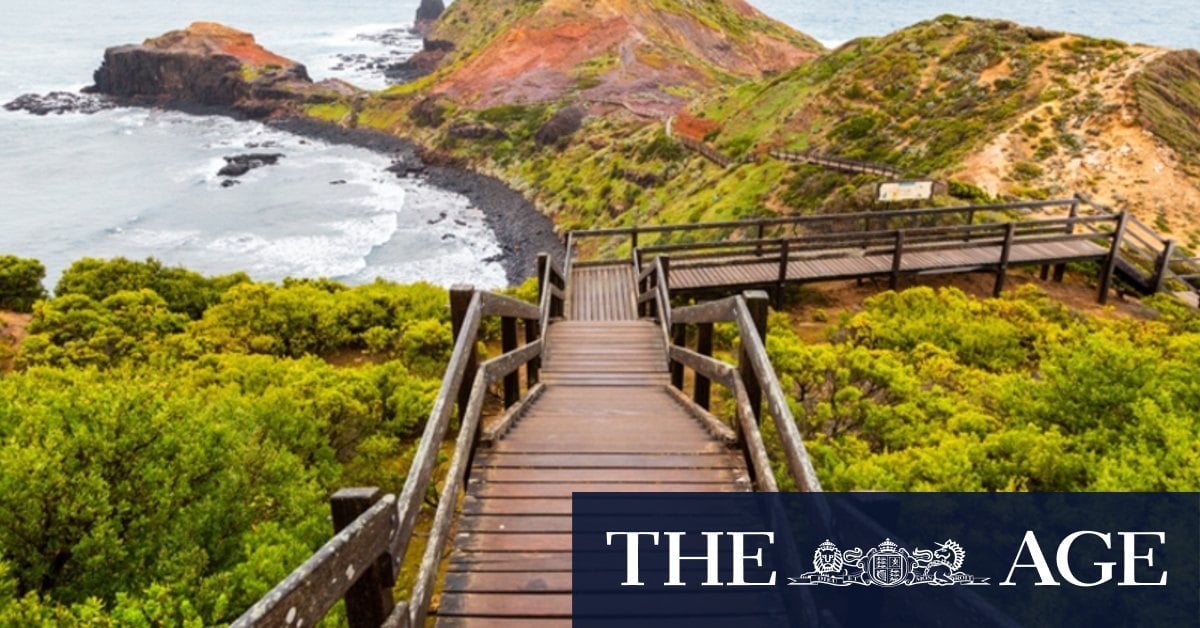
(427, 14)
(210, 64)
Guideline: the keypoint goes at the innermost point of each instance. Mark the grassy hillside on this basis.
(997, 109)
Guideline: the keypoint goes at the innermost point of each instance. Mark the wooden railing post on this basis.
(460, 300)
(702, 387)
(756, 302)
(679, 339)
(783, 272)
(543, 262)
(759, 236)
(666, 274)
(1162, 266)
(1060, 270)
(1002, 271)
(533, 370)
(508, 342)
(633, 238)
(1110, 264)
(897, 257)
(652, 304)
(369, 601)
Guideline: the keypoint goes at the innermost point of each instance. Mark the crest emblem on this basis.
(888, 565)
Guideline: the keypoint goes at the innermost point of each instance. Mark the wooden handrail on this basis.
(838, 163)
(934, 233)
(748, 432)
(379, 538)
(734, 309)
(489, 373)
(308, 593)
(796, 220)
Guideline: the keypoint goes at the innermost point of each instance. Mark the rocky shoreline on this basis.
(521, 230)
(211, 69)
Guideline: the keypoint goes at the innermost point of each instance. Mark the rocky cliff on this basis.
(427, 15)
(209, 64)
(647, 56)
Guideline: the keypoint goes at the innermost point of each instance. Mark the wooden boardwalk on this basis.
(606, 421)
(744, 272)
(603, 404)
(602, 293)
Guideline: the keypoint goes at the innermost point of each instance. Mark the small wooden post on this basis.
(1060, 270)
(759, 237)
(756, 302)
(704, 346)
(543, 262)
(460, 300)
(783, 272)
(633, 238)
(897, 257)
(508, 342)
(1163, 265)
(1045, 274)
(1110, 264)
(679, 339)
(652, 284)
(532, 333)
(369, 601)
(666, 275)
(1002, 271)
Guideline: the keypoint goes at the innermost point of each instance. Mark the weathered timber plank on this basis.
(534, 490)
(477, 542)
(609, 461)
(522, 605)
(503, 622)
(683, 475)
(508, 582)
(515, 523)
(613, 444)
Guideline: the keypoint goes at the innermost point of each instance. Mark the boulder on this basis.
(59, 103)
(238, 165)
(563, 124)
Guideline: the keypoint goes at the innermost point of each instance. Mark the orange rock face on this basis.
(209, 38)
(691, 127)
(627, 53)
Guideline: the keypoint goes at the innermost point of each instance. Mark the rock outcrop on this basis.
(648, 57)
(427, 15)
(209, 64)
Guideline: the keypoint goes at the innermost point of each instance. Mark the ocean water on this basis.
(140, 183)
(1169, 23)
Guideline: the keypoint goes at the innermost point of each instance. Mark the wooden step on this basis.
(602, 293)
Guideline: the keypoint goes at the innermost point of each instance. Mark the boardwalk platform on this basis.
(595, 398)
(606, 421)
(745, 271)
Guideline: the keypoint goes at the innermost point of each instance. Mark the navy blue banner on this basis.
(886, 559)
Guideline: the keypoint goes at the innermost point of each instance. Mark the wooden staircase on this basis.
(601, 407)
(605, 422)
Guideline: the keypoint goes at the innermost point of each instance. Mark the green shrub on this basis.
(20, 283)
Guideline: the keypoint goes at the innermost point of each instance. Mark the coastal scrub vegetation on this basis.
(933, 390)
(20, 283)
(168, 441)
